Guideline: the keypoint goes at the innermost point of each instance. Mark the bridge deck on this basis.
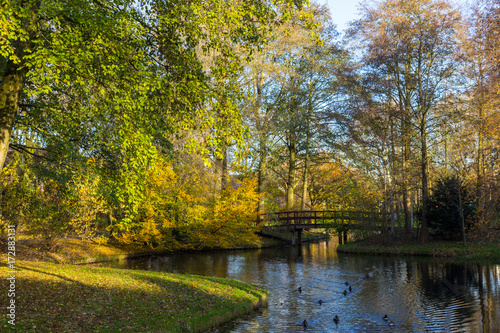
(323, 219)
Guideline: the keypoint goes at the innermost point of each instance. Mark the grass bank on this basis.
(69, 298)
(472, 251)
(78, 251)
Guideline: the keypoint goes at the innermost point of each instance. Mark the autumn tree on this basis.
(291, 87)
(475, 137)
(118, 80)
(409, 44)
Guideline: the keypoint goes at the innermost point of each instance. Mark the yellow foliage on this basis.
(153, 226)
(229, 220)
(335, 186)
(86, 204)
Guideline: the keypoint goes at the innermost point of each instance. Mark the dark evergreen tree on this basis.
(451, 209)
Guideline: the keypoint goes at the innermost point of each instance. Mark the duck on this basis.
(368, 275)
(304, 323)
(336, 319)
(386, 318)
(346, 283)
(320, 302)
(391, 323)
(345, 292)
(350, 289)
(300, 289)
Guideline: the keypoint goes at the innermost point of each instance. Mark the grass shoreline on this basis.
(57, 292)
(70, 298)
(454, 250)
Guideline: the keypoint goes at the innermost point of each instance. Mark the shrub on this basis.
(450, 202)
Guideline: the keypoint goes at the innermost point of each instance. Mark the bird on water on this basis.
(336, 319)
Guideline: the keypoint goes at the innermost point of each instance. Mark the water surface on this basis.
(418, 295)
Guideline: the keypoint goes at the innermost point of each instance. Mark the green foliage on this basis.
(49, 214)
(450, 199)
(117, 81)
(14, 193)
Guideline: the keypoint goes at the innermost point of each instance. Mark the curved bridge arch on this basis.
(341, 220)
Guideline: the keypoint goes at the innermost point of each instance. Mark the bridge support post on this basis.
(340, 238)
(293, 236)
(299, 236)
(345, 237)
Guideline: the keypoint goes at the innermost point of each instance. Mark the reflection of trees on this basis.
(449, 284)
(419, 293)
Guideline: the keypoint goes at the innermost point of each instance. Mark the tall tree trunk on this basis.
(10, 90)
(307, 157)
(261, 186)
(292, 169)
(406, 185)
(224, 178)
(424, 233)
(480, 193)
(304, 182)
(221, 171)
(261, 178)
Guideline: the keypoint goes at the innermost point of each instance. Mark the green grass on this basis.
(472, 251)
(70, 298)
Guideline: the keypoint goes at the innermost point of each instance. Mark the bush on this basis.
(449, 202)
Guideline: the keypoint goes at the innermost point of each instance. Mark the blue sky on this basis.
(344, 11)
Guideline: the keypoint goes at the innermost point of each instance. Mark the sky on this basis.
(344, 11)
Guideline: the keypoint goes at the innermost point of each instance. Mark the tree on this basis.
(117, 80)
(409, 44)
(292, 85)
(450, 208)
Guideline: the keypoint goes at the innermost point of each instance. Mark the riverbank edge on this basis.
(471, 251)
(226, 315)
(144, 295)
(124, 253)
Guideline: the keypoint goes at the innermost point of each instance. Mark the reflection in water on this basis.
(418, 295)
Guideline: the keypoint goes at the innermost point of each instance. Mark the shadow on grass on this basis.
(51, 274)
(120, 300)
(202, 308)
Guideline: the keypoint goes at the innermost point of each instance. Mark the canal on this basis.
(417, 294)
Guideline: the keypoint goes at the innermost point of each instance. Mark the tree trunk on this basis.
(10, 90)
(461, 211)
(304, 182)
(262, 173)
(308, 143)
(292, 169)
(221, 171)
(405, 189)
(424, 234)
(261, 178)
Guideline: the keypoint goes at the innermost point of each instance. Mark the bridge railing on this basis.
(323, 216)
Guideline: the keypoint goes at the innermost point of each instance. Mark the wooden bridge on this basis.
(341, 221)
